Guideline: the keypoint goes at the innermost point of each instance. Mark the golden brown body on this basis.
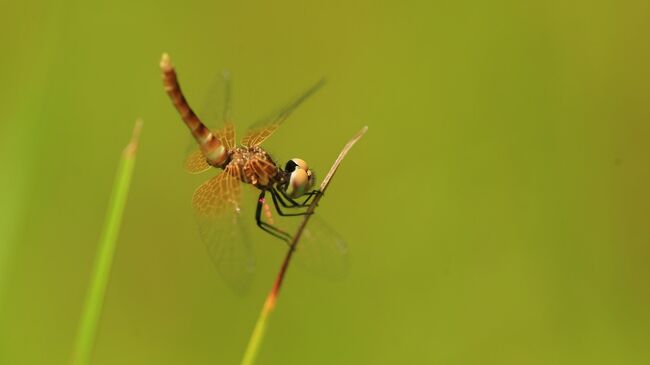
(217, 201)
(253, 165)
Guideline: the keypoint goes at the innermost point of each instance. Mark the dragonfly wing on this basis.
(196, 163)
(217, 207)
(322, 250)
(263, 129)
(217, 110)
(217, 115)
(227, 134)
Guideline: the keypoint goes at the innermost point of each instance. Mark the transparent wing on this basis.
(226, 134)
(217, 207)
(322, 250)
(216, 115)
(263, 129)
(216, 112)
(196, 162)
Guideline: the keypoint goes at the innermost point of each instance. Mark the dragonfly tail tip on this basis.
(165, 62)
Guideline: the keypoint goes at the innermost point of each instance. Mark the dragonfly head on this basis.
(300, 178)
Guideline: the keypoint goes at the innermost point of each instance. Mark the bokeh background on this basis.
(496, 212)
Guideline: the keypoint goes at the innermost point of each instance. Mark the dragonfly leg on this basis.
(310, 195)
(294, 203)
(272, 230)
(276, 197)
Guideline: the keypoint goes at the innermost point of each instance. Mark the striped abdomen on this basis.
(211, 147)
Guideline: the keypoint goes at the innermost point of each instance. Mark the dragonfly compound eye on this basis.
(290, 166)
(296, 162)
(299, 183)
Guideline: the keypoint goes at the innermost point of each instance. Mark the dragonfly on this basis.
(217, 202)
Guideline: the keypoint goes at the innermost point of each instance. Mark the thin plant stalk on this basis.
(87, 330)
(269, 305)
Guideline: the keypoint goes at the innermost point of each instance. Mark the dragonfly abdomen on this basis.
(211, 147)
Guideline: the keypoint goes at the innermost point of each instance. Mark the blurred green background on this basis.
(497, 210)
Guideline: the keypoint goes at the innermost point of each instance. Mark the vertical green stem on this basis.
(95, 296)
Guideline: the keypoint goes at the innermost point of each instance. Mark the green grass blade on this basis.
(258, 332)
(95, 296)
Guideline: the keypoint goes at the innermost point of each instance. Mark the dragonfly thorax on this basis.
(254, 165)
